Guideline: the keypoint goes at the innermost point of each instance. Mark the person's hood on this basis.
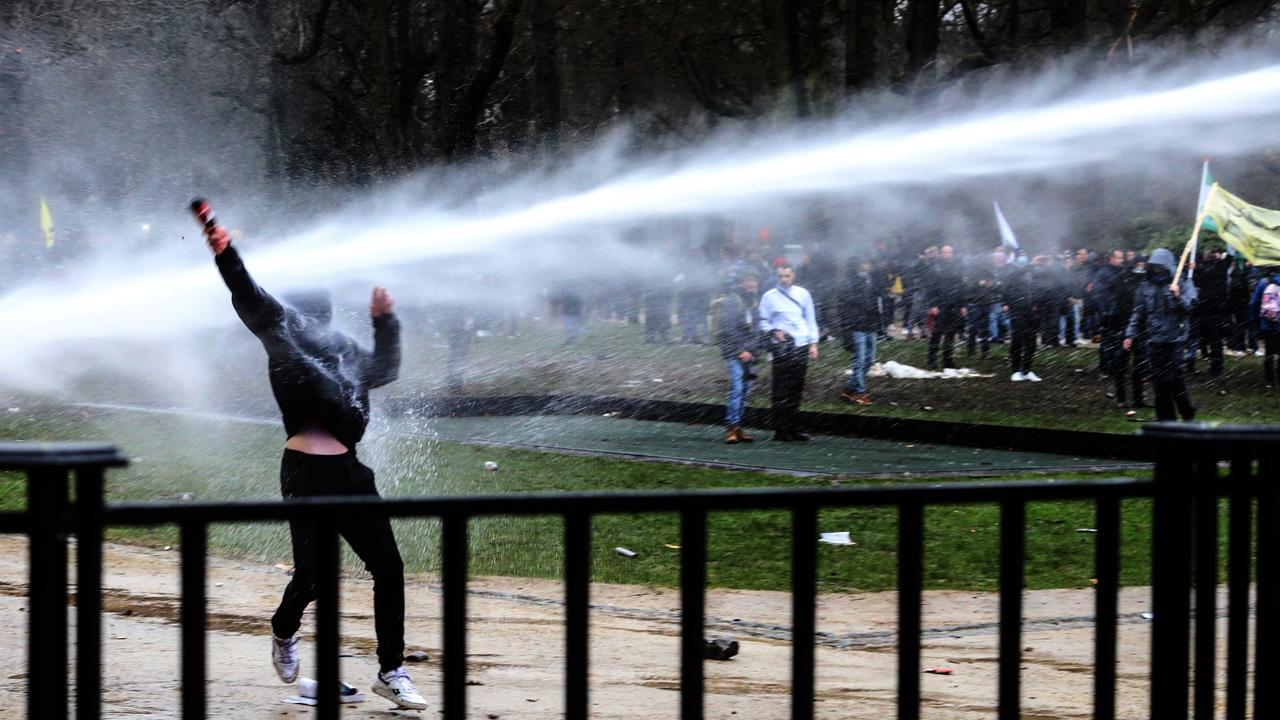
(1164, 258)
(314, 305)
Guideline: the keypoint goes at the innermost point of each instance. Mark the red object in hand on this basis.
(204, 213)
(218, 237)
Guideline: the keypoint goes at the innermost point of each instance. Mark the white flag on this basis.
(1006, 233)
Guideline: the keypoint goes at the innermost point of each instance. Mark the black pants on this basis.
(303, 475)
(1172, 398)
(1111, 354)
(790, 363)
(1022, 342)
(945, 327)
(1271, 342)
(979, 329)
(1212, 329)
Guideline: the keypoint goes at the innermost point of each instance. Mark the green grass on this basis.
(613, 360)
(747, 549)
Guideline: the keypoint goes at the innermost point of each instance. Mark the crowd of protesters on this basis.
(1148, 331)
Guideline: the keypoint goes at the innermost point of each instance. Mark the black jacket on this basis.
(1112, 293)
(945, 287)
(1213, 280)
(317, 373)
(1156, 312)
(738, 323)
(860, 301)
(1020, 290)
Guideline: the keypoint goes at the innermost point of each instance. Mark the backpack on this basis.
(1270, 306)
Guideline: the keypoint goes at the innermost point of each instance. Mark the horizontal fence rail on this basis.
(1188, 487)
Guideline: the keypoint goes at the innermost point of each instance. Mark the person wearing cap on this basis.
(736, 316)
(1162, 311)
(788, 317)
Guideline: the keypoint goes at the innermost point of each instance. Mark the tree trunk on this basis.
(544, 16)
(868, 25)
(456, 43)
(796, 75)
(924, 23)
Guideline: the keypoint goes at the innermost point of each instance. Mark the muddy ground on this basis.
(516, 643)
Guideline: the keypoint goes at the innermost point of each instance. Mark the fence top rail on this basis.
(1207, 434)
(43, 455)
(629, 502)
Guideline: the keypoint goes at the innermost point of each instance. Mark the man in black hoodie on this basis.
(1162, 311)
(321, 380)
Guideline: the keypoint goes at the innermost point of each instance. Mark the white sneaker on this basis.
(1018, 377)
(398, 688)
(1258, 353)
(1032, 377)
(284, 656)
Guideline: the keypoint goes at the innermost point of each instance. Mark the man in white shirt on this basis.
(787, 315)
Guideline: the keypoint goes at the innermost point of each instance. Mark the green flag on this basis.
(1252, 230)
(46, 223)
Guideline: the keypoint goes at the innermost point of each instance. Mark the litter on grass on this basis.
(836, 538)
(897, 370)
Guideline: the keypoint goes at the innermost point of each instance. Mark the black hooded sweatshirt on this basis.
(317, 373)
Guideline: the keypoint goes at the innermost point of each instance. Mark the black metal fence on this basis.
(1188, 487)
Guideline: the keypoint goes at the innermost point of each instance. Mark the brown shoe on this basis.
(744, 437)
(865, 399)
(731, 436)
(849, 397)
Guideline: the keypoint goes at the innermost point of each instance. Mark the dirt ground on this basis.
(516, 644)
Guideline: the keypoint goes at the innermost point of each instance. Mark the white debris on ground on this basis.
(895, 369)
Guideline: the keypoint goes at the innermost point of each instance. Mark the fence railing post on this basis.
(693, 586)
(89, 501)
(47, 466)
(47, 610)
(1187, 486)
(1171, 580)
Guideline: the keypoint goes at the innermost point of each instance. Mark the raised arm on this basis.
(383, 364)
(260, 312)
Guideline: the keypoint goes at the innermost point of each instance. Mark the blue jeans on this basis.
(864, 356)
(739, 388)
(998, 322)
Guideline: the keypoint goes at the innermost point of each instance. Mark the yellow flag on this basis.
(1253, 230)
(46, 223)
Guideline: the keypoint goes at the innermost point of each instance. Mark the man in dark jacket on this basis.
(1023, 303)
(1162, 310)
(860, 317)
(1111, 296)
(321, 380)
(947, 304)
(983, 294)
(736, 319)
(1213, 311)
